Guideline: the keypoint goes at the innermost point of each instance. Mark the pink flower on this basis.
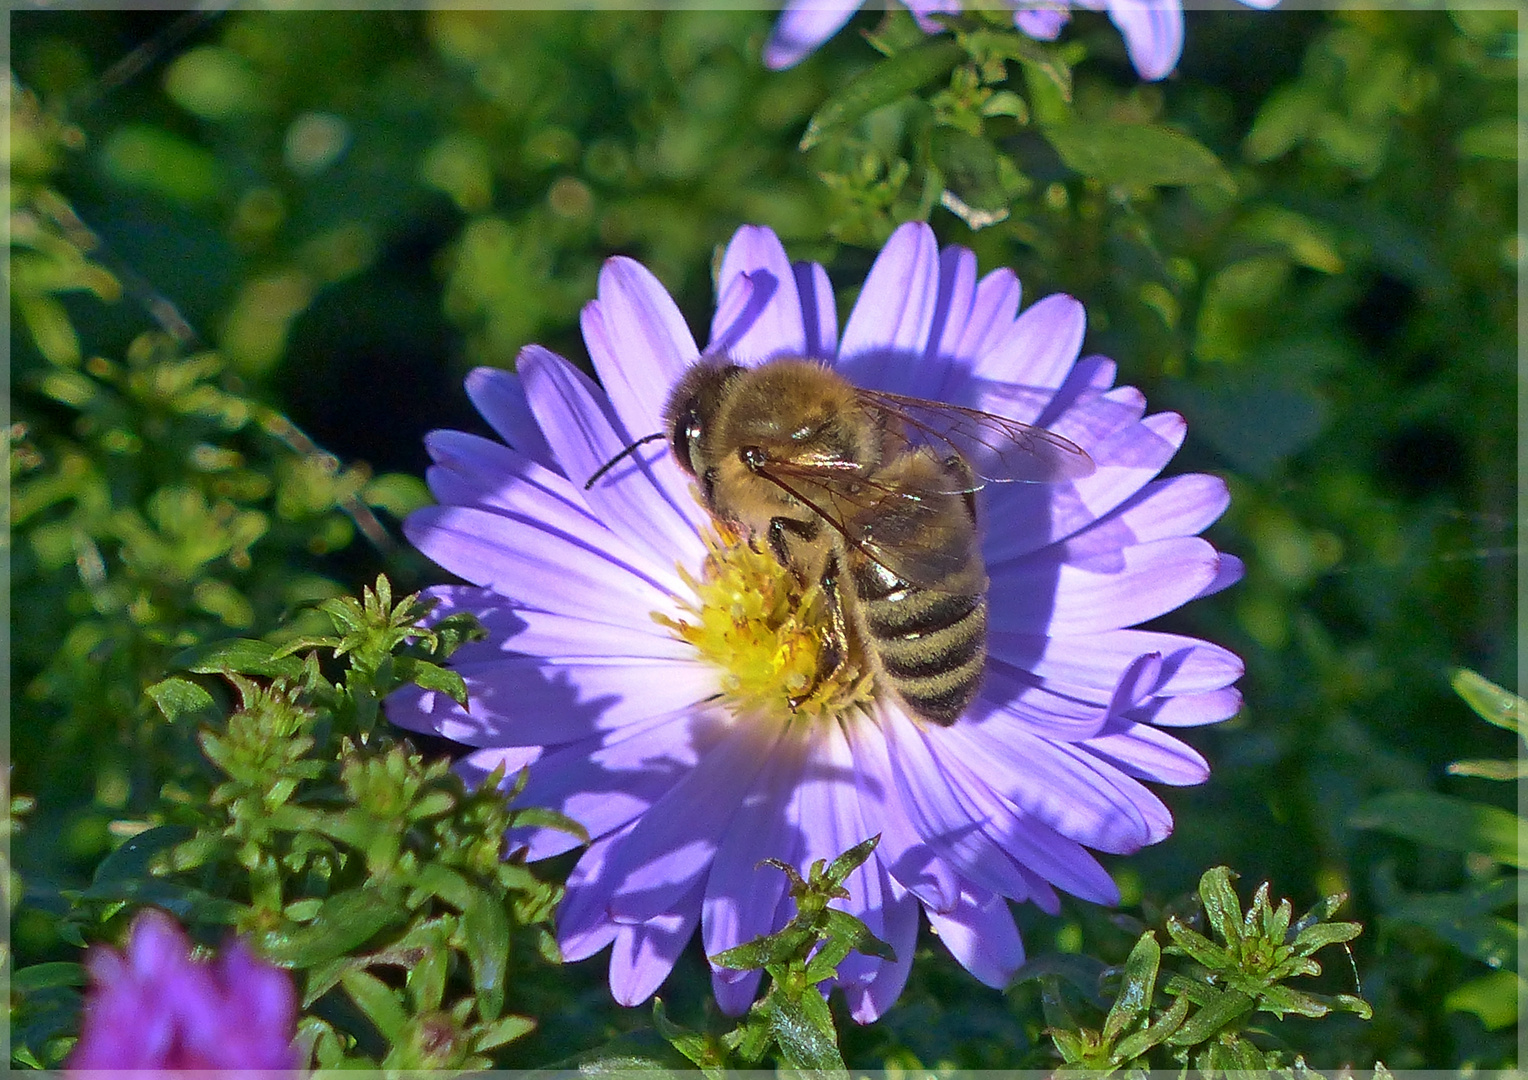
(154, 1006)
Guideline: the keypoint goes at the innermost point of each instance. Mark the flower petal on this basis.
(952, 314)
(646, 499)
(638, 342)
(550, 570)
(742, 896)
(907, 858)
(1036, 514)
(645, 953)
(1038, 595)
(1143, 751)
(771, 323)
(1096, 661)
(1040, 348)
(672, 847)
(1189, 710)
(802, 27)
(500, 398)
(980, 933)
(890, 323)
(819, 313)
(1064, 786)
(1153, 32)
(992, 315)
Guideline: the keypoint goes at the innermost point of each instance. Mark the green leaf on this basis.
(239, 656)
(130, 862)
(888, 81)
(1494, 998)
(972, 177)
(803, 1030)
(693, 1045)
(178, 697)
(47, 976)
(432, 677)
(379, 1003)
(1490, 769)
(1494, 704)
(1136, 987)
(347, 920)
(1221, 907)
(485, 930)
(1199, 947)
(1466, 925)
(1494, 138)
(1135, 155)
(1317, 937)
(1133, 1046)
(503, 1030)
(1223, 1008)
(1446, 822)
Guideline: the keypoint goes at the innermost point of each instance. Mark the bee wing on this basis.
(995, 448)
(905, 527)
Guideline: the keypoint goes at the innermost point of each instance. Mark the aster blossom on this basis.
(1152, 29)
(643, 664)
(154, 1006)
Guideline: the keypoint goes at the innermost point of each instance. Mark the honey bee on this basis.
(871, 496)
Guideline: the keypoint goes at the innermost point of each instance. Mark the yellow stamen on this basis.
(755, 622)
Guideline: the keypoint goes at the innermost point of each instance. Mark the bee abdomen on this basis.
(931, 646)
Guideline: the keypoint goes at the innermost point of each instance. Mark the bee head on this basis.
(691, 409)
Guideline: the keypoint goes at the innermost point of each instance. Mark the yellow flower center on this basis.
(765, 632)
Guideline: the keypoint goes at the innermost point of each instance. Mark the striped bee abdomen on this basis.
(930, 645)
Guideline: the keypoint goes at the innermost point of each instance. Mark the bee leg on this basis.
(835, 644)
(781, 529)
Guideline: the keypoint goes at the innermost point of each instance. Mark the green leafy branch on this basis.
(350, 858)
(792, 1018)
(1198, 1014)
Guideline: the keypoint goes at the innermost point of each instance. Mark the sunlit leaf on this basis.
(888, 81)
(1135, 155)
(1446, 822)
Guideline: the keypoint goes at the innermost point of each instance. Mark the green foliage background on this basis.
(1305, 241)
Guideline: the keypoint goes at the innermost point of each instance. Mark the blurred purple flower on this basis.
(1153, 29)
(683, 780)
(154, 1007)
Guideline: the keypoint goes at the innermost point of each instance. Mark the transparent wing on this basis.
(995, 448)
(914, 523)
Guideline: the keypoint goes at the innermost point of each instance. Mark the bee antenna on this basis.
(603, 469)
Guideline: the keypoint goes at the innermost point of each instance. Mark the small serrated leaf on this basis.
(238, 656)
(1137, 985)
(47, 976)
(1223, 1008)
(1221, 906)
(885, 82)
(485, 934)
(431, 676)
(803, 1030)
(1446, 822)
(1493, 704)
(1122, 154)
(379, 1003)
(177, 697)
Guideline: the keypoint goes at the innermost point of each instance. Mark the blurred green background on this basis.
(355, 208)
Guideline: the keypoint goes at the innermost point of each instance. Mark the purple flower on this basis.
(1153, 29)
(155, 1007)
(641, 666)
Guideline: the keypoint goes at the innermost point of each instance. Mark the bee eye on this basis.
(685, 438)
(754, 457)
